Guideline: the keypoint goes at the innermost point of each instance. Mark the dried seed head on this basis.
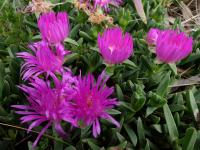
(98, 18)
(95, 16)
(82, 6)
(38, 6)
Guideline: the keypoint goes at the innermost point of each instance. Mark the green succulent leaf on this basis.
(171, 125)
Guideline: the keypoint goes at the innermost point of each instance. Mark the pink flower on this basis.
(173, 46)
(152, 36)
(114, 46)
(46, 104)
(92, 101)
(105, 3)
(54, 27)
(68, 85)
(44, 60)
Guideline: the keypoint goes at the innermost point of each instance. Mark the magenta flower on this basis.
(44, 60)
(152, 36)
(114, 46)
(54, 27)
(91, 102)
(46, 104)
(173, 46)
(105, 3)
(68, 85)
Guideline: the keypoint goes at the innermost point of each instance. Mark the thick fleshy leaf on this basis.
(131, 135)
(192, 104)
(140, 131)
(164, 84)
(189, 139)
(171, 125)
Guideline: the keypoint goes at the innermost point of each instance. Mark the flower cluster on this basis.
(171, 45)
(53, 93)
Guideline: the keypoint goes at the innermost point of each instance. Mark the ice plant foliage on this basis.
(173, 46)
(114, 46)
(54, 27)
(46, 104)
(44, 60)
(152, 36)
(92, 101)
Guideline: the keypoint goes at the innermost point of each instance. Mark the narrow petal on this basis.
(25, 113)
(98, 129)
(29, 118)
(41, 133)
(60, 130)
(22, 107)
(94, 130)
(36, 123)
(110, 118)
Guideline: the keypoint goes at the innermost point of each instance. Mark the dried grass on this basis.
(189, 13)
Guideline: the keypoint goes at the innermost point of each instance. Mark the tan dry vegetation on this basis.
(189, 13)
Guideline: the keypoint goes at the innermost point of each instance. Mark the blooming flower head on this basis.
(44, 60)
(152, 36)
(68, 85)
(173, 46)
(105, 3)
(114, 46)
(46, 104)
(54, 27)
(92, 101)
